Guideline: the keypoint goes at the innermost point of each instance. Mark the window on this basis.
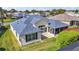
(42, 28)
(49, 23)
(28, 38)
(31, 37)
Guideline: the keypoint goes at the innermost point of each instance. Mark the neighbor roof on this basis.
(56, 23)
(64, 17)
(25, 25)
(18, 14)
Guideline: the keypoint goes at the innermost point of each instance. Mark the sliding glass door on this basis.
(31, 37)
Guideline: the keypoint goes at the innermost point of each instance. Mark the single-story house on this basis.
(26, 29)
(66, 18)
(29, 29)
(74, 22)
(18, 15)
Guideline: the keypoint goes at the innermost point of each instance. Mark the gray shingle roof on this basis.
(19, 15)
(56, 24)
(25, 25)
(30, 29)
(64, 16)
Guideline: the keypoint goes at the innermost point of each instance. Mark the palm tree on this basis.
(2, 15)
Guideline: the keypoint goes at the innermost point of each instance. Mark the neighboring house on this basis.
(74, 22)
(26, 29)
(29, 29)
(65, 18)
(3, 16)
(73, 14)
(17, 15)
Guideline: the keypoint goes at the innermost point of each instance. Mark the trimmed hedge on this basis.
(66, 37)
(74, 26)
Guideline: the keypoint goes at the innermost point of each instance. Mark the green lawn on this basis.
(44, 45)
(8, 20)
(8, 41)
(65, 38)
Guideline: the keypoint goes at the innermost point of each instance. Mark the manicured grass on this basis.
(8, 41)
(44, 45)
(8, 20)
(67, 37)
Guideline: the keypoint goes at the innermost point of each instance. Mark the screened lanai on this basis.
(56, 26)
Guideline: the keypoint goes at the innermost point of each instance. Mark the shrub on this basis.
(2, 49)
(66, 37)
(74, 26)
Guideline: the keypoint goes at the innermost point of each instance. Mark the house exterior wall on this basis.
(43, 21)
(66, 22)
(14, 32)
(74, 23)
(23, 39)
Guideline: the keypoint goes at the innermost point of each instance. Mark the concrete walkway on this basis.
(47, 34)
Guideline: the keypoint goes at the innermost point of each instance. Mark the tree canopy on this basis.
(57, 11)
(76, 11)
